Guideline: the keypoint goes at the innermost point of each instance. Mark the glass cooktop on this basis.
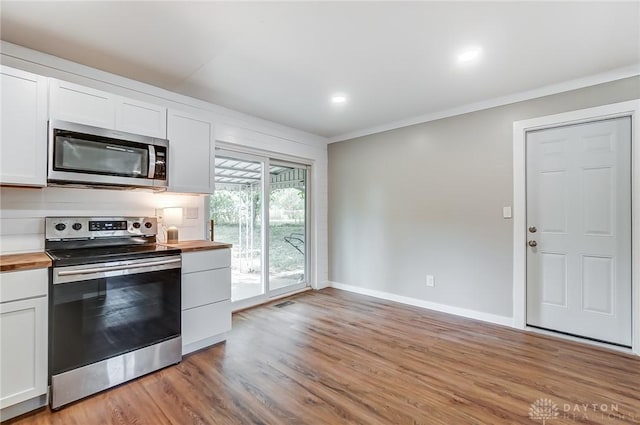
(77, 256)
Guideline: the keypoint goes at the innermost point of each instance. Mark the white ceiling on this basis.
(283, 61)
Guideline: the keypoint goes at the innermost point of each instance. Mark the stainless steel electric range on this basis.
(114, 309)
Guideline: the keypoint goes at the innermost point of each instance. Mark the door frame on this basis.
(266, 157)
(520, 129)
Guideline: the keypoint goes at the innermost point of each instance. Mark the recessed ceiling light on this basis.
(469, 55)
(339, 98)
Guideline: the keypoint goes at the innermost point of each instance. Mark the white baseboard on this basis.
(458, 311)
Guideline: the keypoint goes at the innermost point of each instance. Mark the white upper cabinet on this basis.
(138, 117)
(84, 105)
(23, 128)
(191, 152)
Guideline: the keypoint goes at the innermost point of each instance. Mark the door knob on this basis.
(532, 229)
(533, 244)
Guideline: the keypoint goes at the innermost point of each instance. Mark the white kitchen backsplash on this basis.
(22, 211)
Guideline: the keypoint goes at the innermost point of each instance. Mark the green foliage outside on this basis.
(227, 205)
(283, 256)
(287, 216)
(286, 205)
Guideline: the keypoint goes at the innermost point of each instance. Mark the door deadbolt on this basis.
(532, 229)
(533, 244)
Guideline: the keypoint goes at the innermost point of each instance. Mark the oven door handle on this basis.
(115, 268)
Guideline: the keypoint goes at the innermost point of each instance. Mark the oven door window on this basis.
(100, 318)
(107, 157)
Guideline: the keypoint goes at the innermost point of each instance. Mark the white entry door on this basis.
(579, 230)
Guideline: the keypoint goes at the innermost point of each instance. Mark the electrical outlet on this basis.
(431, 281)
(191, 213)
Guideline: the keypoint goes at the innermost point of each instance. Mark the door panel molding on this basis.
(520, 128)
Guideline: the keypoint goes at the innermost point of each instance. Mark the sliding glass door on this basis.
(237, 209)
(260, 205)
(287, 226)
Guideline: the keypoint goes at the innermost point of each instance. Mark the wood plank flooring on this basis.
(333, 357)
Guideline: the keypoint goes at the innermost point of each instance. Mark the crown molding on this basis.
(606, 77)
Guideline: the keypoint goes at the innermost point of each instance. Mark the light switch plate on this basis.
(506, 212)
(431, 281)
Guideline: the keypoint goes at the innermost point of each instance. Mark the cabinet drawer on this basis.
(205, 321)
(205, 287)
(23, 284)
(205, 260)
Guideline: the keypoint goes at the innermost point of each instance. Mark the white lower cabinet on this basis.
(205, 325)
(23, 341)
(206, 298)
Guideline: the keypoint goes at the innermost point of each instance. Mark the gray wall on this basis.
(428, 198)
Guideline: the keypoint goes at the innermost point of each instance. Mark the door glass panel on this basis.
(287, 226)
(100, 318)
(101, 157)
(236, 210)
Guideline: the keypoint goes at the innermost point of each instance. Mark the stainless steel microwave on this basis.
(84, 155)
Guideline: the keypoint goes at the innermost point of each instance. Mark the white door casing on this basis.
(624, 109)
(579, 218)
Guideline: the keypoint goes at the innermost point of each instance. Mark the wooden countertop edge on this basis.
(189, 246)
(28, 261)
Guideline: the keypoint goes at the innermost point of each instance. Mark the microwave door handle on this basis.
(152, 162)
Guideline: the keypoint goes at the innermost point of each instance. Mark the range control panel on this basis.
(58, 228)
(98, 226)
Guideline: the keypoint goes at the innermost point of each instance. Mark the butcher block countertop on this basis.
(187, 246)
(29, 261)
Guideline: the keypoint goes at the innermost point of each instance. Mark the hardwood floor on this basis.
(334, 357)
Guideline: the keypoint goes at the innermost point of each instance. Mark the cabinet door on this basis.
(23, 351)
(82, 105)
(138, 117)
(23, 128)
(191, 152)
(205, 322)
